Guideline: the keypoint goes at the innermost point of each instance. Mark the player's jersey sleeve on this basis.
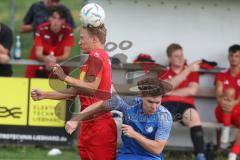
(121, 103)
(69, 41)
(193, 77)
(219, 77)
(7, 38)
(95, 66)
(37, 39)
(164, 126)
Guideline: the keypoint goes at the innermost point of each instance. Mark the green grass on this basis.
(33, 153)
(22, 6)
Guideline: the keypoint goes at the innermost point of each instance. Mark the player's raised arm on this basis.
(193, 67)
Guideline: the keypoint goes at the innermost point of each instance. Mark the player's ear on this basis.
(95, 39)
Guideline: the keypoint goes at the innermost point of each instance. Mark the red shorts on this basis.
(97, 139)
(235, 115)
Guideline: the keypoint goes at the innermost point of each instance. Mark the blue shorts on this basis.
(121, 156)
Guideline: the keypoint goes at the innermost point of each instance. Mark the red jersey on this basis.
(192, 77)
(98, 65)
(51, 42)
(229, 81)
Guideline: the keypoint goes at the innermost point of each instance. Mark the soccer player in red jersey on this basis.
(97, 138)
(228, 99)
(53, 43)
(180, 101)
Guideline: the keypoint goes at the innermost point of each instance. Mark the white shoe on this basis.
(232, 156)
(225, 135)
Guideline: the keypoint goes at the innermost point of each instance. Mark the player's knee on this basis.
(191, 118)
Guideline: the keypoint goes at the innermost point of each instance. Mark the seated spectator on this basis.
(39, 13)
(228, 99)
(6, 41)
(180, 102)
(53, 43)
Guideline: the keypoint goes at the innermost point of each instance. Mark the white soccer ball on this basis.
(92, 14)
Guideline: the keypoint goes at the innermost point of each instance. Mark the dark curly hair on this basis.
(152, 87)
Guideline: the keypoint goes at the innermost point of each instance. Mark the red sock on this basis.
(226, 119)
(235, 148)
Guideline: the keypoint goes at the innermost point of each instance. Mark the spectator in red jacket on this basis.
(53, 43)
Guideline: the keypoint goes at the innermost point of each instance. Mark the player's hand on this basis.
(128, 131)
(37, 95)
(49, 61)
(71, 126)
(228, 104)
(195, 66)
(58, 71)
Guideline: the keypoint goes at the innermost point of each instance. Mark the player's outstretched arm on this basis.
(100, 106)
(37, 94)
(115, 103)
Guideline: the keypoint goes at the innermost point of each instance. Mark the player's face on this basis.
(151, 104)
(86, 41)
(234, 59)
(56, 22)
(177, 58)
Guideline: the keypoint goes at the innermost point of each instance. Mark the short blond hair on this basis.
(100, 32)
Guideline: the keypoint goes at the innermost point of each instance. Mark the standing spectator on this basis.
(53, 43)
(180, 101)
(6, 41)
(39, 13)
(228, 99)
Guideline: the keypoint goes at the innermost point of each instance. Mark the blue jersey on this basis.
(155, 126)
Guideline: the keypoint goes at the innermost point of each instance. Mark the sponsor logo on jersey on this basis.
(149, 128)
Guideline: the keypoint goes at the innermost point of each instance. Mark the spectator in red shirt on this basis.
(97, 138)
(39, 13)
(228, 99)
(53, 43)
(180, 101)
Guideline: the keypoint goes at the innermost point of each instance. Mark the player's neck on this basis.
(176, 69)
(98, 46)
(234, 70)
